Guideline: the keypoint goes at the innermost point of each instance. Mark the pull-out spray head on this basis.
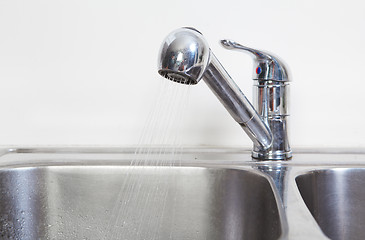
(185, 57)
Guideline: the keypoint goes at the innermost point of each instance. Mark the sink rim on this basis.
(306, 157)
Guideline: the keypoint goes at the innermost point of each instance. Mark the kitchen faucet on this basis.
(185, 57)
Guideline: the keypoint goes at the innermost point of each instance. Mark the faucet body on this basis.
(270, 101)
(185, 57)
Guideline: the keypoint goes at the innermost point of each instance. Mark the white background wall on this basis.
(84, 72)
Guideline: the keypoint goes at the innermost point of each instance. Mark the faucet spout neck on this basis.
(236, 103)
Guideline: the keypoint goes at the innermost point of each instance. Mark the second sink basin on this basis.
(95, 201)
(336, 199)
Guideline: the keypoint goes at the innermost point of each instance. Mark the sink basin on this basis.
(79, 199)
(336, 199)
(208, 193)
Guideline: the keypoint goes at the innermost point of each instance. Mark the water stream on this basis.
(159, 148)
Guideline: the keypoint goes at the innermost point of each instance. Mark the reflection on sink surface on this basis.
(122, 202)
(336, 199)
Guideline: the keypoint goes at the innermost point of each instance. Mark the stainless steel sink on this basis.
(201, 193)
(73, 196)
(336, 199)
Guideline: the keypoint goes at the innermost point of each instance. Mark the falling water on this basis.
(159, 148)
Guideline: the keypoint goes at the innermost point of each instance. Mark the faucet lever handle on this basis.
(267, 67)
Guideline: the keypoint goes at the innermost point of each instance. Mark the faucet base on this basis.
(277, 155)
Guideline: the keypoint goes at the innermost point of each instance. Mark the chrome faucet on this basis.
(185, 57)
